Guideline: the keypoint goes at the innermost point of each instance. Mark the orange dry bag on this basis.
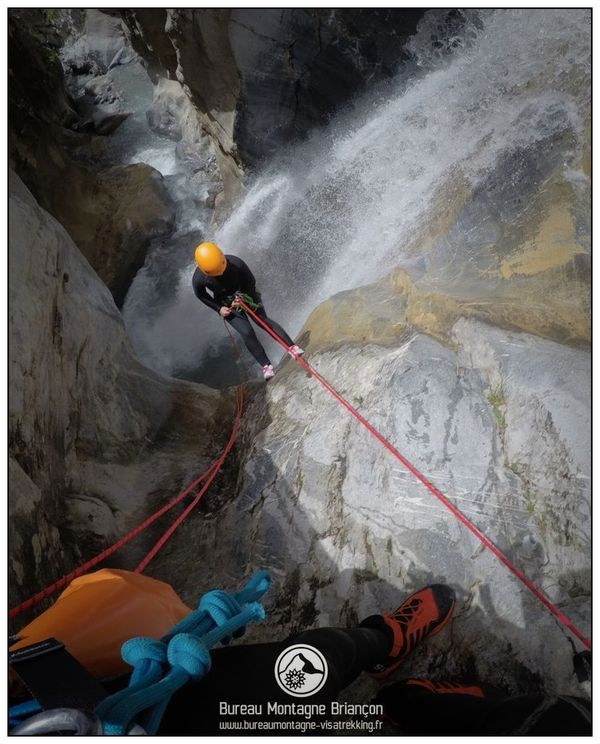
(98, 612)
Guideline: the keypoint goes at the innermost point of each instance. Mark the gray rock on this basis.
(78, 63)
(262, 78)
(198, 156)
(167, 110)
(100, 45)
(123, 57)
(102, 90)
(105, 123)
(96, 440)
(112, 215)
(204, 191)
(498, 425)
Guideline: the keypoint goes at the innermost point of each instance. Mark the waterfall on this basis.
(346, 206)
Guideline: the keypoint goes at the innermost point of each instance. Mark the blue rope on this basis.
(160, 668)
(17, 712)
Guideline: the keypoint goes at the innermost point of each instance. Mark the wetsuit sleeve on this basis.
(202, 293)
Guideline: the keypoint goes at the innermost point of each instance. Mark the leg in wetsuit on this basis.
(427, 708)
(242, 325)
(246, 675)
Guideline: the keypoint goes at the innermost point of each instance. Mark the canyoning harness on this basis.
(251, 302)
(160, 668)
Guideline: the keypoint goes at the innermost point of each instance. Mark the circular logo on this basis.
(301, 670)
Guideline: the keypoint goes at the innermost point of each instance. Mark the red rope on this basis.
(209, 474)
(239, 399)
(461, 517)
(215, 469)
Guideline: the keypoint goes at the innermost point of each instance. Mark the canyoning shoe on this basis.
(268, 372)
(421, 615)
(296, 351)
(417, 706)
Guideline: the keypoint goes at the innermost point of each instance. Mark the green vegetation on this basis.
(542, 522)
(52, 57)
(530, 502)
(52, 14)
(573, 588)
(52, 61)
(497, 401)
(518, 468)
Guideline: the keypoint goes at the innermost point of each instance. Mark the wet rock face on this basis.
(95, 439)
(88, 54)
(167, 110)
(99, 44)
(521, 235)
(36, 84)
(297, 67)
(111, 213)
(499, 423)
(113, 217)
(262, 78)
(494, 413)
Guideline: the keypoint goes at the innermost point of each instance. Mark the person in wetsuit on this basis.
(225, 276)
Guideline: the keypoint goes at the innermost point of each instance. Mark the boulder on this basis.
(173, 115)
(112, 216)
(105, 123)
(100, 44)
(101, 90)
(100, 106)
(165, 114)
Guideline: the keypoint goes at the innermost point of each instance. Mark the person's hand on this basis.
(224, 311)
(236, 302)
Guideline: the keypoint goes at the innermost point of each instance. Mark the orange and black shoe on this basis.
(421, 615)
(428, 708)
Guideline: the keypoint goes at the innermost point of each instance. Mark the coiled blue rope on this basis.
(160, 668)
(17, 713)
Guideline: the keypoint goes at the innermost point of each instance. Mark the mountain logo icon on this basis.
(301, 670)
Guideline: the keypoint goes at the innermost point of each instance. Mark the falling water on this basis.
(340, 209)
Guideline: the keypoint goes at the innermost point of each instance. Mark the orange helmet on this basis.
(210, 259)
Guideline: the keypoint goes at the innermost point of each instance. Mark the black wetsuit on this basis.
(237, 277)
